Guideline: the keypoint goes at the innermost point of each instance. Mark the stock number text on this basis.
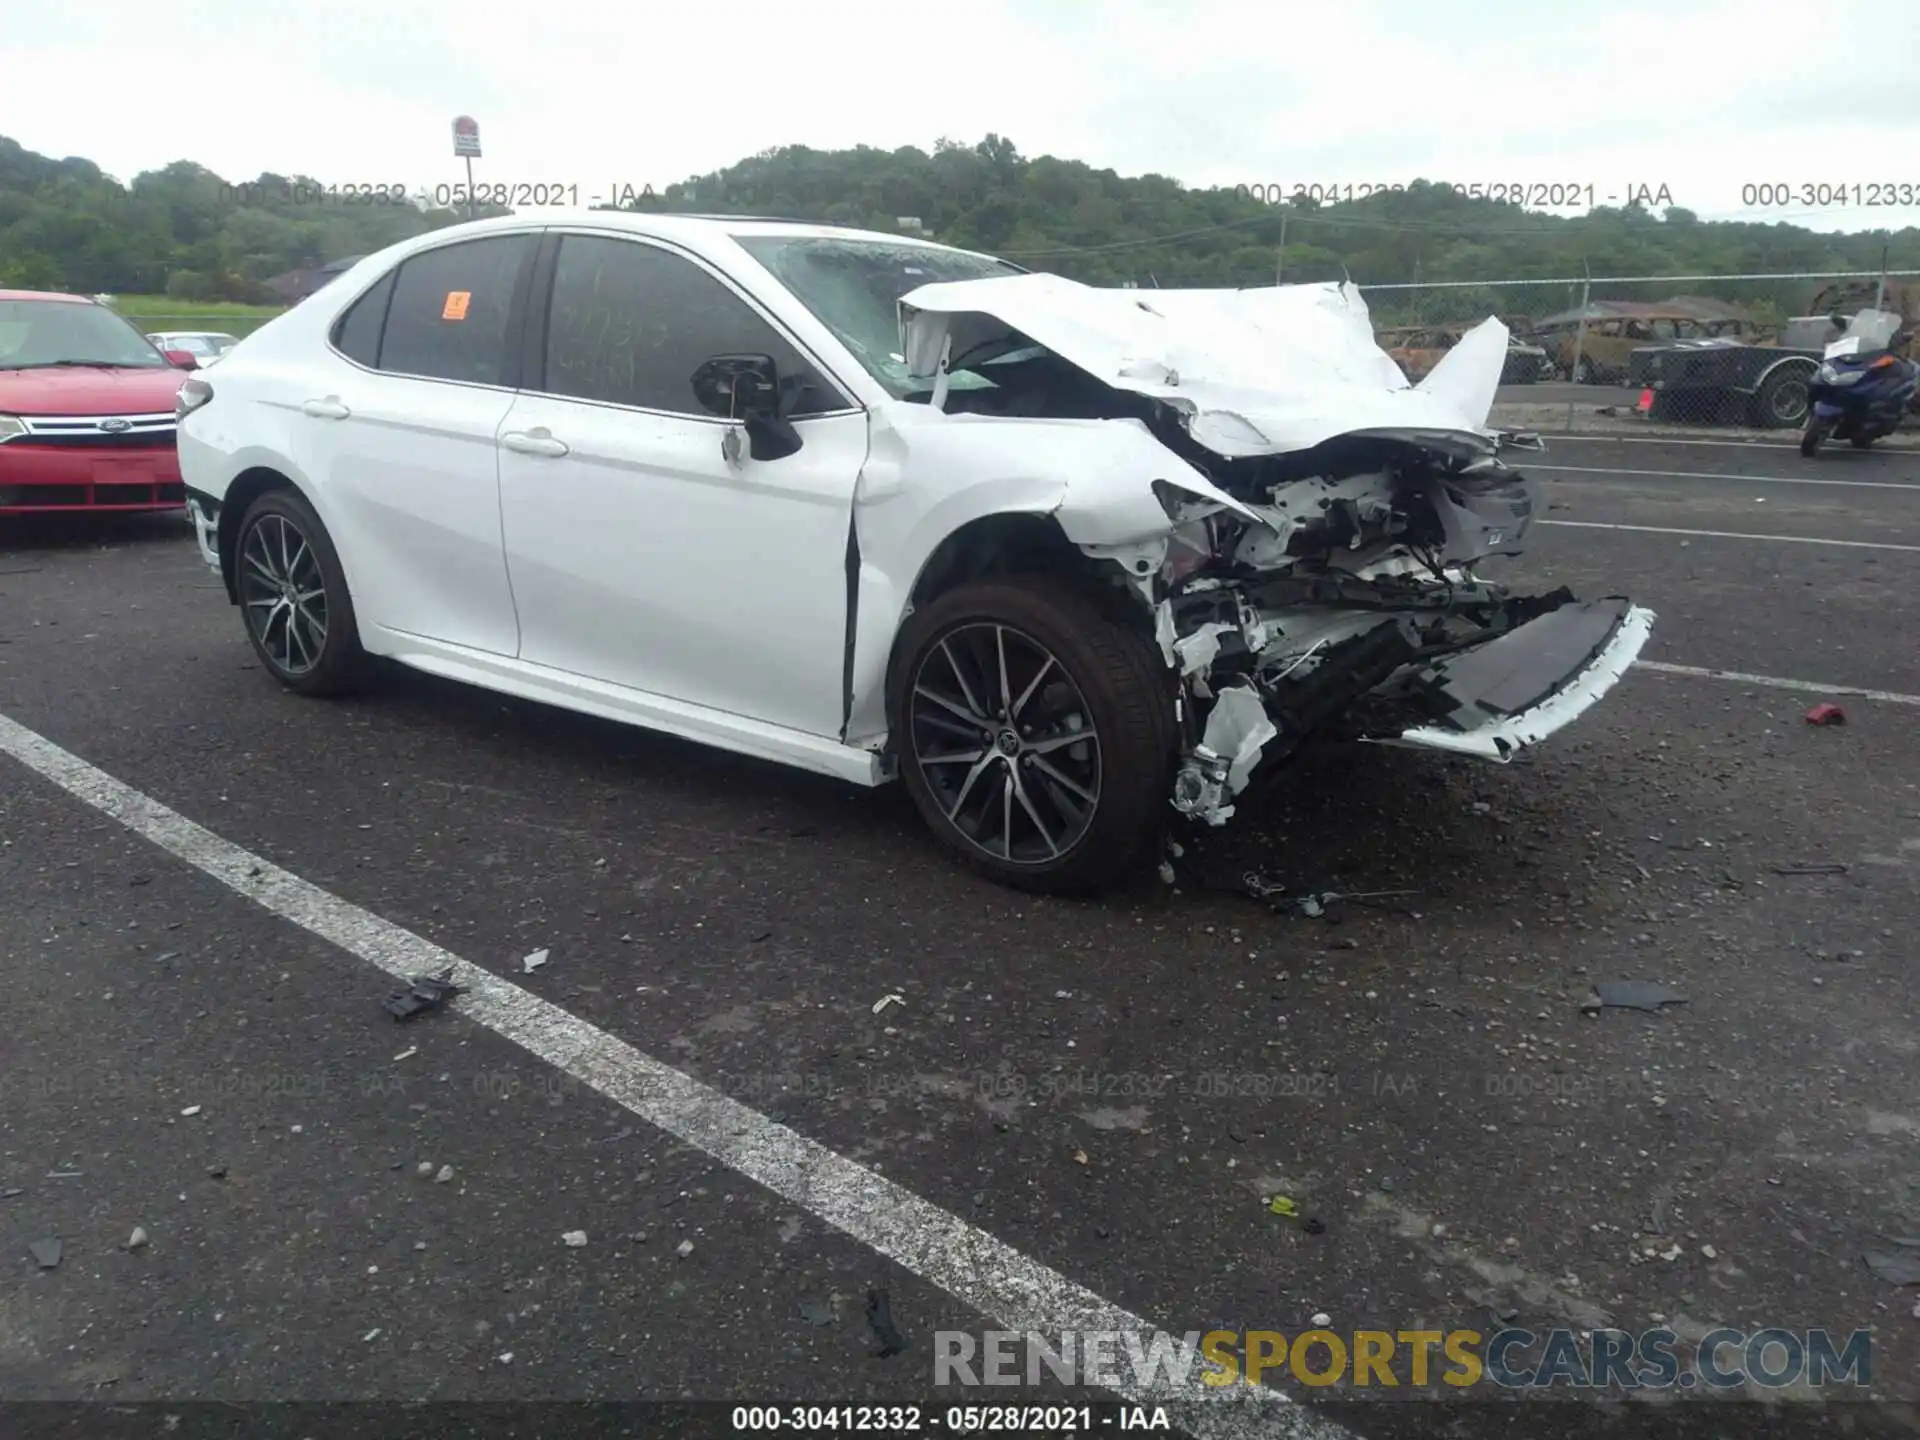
(1875, 193)
(300, 192)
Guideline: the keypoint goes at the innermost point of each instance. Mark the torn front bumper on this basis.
(206, 529)
(1516, 690)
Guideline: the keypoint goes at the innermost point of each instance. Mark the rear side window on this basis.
(451, 313)
(356, 334)
(630, 322)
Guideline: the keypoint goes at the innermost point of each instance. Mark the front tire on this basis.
(1813, 436)
(293, 597)
(1035, 733)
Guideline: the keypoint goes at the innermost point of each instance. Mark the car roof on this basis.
(43, 295)
(697, 229)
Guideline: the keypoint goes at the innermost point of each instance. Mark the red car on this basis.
(86, 409)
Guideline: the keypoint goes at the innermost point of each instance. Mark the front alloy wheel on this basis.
(1005, 740)
(1034, 723)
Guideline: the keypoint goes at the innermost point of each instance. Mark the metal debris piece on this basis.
(1894, 1268)
(1631, 995)
(1810, 869)
(684, 1249)
(1898, 1268)
(885, 1000)
(47, 1252)
(444, 1174)
(424, 993)
(534, 961)
(1312, 905)
(880, 1321)
(1826, 713)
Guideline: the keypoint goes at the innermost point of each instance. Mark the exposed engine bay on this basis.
(1334, 592)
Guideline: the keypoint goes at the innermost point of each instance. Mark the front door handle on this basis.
(538, 441)
(327, 409)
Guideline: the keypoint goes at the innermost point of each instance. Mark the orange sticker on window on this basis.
(456, 306)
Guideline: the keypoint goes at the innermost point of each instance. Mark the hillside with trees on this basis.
(186, 231)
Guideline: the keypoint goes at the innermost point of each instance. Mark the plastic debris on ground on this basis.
(817, 1312)
(138, 1239)
(1631, 995)
(47, 1252)
(574, 1239)
(534, 961)
(423, 993)
(1283, 1206)
(885, 1000)
(1826, 714)
(880, 1321)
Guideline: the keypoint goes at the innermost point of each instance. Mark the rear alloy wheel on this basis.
(293, 597)
(1035, 733)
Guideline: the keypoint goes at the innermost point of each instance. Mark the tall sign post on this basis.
(466, 145)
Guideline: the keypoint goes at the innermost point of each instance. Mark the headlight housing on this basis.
(11, 426)
(192, 394)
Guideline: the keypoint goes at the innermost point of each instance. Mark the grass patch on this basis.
(166, 307)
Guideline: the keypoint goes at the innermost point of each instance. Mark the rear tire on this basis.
(1021, 798)
(1782, 403)
(293, 597)
(1862, 442)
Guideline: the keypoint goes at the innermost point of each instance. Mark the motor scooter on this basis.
(1862, 389)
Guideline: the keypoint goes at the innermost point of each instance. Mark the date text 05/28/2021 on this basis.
(1532, 194)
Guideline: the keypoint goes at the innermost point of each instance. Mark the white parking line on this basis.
(1727, 444)
(1712, 475)
(1015, 1291)
(1733, 535)
(1812, 687)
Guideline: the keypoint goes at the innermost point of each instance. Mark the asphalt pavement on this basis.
(1065, 1105)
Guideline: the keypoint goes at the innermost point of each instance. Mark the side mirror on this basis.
(750, 389)
(184, 359)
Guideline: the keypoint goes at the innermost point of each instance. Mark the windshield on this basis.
(36, 333)
(853, 287)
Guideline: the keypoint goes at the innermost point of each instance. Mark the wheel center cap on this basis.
(1008, 742)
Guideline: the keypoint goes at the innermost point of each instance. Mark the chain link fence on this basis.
(1726, 355)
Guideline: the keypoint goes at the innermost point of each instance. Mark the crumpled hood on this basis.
(1255, 372)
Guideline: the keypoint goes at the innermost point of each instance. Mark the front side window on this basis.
(630, 322)
(43, 334)
(452, 309)
(853, 287)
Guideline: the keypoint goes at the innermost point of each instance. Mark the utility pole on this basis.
(1280, 255)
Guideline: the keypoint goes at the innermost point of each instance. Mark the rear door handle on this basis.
(327, 409)
(534, 442)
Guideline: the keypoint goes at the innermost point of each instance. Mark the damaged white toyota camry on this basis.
(1068, 561)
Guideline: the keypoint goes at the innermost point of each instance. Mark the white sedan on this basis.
(206, 346)
(1070, 562)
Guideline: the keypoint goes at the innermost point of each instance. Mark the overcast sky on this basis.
(1701, 97)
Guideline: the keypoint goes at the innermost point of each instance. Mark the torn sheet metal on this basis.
(1255, 372)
